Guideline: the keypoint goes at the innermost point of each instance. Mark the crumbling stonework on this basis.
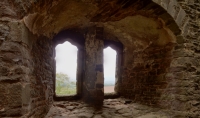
(159, 60)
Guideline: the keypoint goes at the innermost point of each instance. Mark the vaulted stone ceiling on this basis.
(136, 23)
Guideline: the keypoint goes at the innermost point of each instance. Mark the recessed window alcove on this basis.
(66, 66)
(117, 58)
(109, 69)
(76, 40)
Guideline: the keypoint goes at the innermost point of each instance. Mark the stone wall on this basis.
(25, 71)
(144, 78)
(41, 84)
(16, 66)
(186, 59)
(183, 93)
(168, 76)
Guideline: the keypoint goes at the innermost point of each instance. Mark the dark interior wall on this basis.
(16, 68)
(26, 75)
(143, 79)
(42, 77)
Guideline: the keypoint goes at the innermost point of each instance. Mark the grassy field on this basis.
(71, 90)
(66, 91)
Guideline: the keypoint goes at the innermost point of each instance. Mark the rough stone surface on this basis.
(41, 87)
(112, 108)
(144, 79)
(160, 57)
(94, 80)
(24, 89)
(14, 68)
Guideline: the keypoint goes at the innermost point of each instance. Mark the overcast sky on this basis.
(66, 61)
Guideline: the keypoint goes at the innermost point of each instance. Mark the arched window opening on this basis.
(109, 69)
(66, 69)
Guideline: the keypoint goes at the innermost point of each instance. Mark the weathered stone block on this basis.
(4, 31)
(165, 4)
(180, 39)
(20, 33)
(172, 8)
(4, 71)
(26, 94)
(14, 97)
(8, 46)
(11, 57)
(181, 16)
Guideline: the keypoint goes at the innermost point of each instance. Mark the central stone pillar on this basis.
(93, 92)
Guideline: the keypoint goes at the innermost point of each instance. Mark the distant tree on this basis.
(62, 80)
(63, 84)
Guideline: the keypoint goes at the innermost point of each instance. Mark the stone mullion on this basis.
(93, 82)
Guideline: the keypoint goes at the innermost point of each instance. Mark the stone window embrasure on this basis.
(79, 41)
(66, 66)
(109, 65)
(118, 47)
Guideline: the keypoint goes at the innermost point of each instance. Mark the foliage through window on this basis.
(64, 85)
(66, 66)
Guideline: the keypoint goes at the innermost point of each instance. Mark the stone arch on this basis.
(175, 11)
(171, 8)
(70, 35)
(169, 11)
